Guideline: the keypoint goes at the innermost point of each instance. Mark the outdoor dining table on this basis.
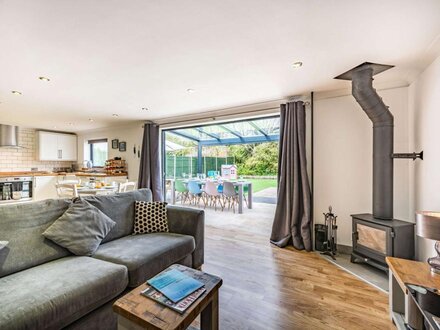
(240, 184)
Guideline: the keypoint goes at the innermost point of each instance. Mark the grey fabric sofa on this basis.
(44, 286)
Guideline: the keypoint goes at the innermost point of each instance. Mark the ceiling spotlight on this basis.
(144, 109)
(297, 65)
(44, 78)
(190, 90)
(115, 115)
(16, 92)
(91, 120)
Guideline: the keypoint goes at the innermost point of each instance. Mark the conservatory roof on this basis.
(238, 132)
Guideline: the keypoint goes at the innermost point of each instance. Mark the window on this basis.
(98, 152)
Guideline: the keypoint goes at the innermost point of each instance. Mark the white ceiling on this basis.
(113, 56)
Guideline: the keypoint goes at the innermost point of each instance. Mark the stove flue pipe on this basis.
(383, 140)
(383, 134)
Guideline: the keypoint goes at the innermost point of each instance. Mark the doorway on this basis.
(243, 153)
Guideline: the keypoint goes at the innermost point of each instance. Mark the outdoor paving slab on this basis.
(268, 192)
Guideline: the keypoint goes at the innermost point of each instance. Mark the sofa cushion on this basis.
(120, 208)
(146, 255)
(22, 225)
(55, 294)
(80, 229)
(150, 217)
(3, 244)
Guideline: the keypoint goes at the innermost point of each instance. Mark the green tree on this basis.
(264, 159)
(256, 159)
(240, 153)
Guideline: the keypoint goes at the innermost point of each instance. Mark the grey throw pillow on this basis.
(3, 244)
(80, 229)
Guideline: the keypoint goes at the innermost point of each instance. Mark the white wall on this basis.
(132, 134)
(424, 114)
(343, 137)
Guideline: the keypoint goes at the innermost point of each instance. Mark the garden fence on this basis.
(179, 166)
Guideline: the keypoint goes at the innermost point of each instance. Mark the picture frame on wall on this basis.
(115, 144)
(122, 146)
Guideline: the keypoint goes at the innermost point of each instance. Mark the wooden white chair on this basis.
(127, 186)
(70, 179)
(66, 190)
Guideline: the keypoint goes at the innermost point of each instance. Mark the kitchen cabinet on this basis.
(44, 187)
(53, 146)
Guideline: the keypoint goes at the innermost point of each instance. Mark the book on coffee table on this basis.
(174, 284)
(180, 306)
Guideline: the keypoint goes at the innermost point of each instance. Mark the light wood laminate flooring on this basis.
(265, 287)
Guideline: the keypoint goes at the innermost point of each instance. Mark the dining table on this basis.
(86, 190)
(240, 184)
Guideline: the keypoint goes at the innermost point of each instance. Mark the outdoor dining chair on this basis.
(195, 192)
(182, 191)
(212, 195)
(245, 192)
(230, 196)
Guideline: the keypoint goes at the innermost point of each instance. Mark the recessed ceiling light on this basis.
(115, 115)
(297, 64)
(44, 78)
(190, 90)
(16, 92)
(55, 127)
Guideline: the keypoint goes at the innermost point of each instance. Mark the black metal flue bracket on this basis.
(412, 155)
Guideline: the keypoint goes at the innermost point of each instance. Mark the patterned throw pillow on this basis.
(150, 217)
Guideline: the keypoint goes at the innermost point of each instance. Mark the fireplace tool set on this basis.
(329, 245)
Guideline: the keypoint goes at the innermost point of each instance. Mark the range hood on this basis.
(9, 136)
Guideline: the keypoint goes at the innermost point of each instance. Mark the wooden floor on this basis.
(265, 287)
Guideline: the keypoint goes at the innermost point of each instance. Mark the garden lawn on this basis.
(261, 184)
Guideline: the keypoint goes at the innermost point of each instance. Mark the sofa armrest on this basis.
(187, 221)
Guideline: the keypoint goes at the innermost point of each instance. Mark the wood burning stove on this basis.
(378, 235)
(374, 239)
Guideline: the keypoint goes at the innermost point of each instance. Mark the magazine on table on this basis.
(180, 307)
(174, 284)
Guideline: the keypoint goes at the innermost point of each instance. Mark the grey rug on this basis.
(367, 273)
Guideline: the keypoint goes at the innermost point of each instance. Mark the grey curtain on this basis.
(149, 171)
(292, 222)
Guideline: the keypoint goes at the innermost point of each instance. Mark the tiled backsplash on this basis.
(24, 159)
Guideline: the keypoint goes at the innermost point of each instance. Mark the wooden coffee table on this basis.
(136, 311)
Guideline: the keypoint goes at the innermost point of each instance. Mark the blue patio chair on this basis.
(195, 192)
